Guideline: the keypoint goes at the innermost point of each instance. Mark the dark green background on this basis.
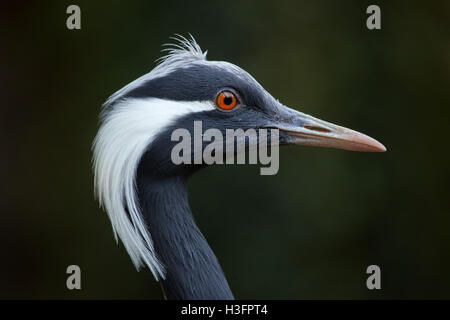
(308, 232)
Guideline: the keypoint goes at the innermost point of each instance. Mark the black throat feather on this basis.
(191, 268)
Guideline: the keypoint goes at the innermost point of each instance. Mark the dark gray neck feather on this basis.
(192, 269)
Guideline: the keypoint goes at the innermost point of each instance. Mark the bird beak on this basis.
(309, 131)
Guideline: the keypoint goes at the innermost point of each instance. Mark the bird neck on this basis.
(191, 268)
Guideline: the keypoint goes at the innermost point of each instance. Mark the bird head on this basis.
(137, 123)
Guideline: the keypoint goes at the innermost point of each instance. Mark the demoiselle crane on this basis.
(144, 192)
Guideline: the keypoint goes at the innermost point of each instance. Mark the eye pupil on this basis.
(228, 100)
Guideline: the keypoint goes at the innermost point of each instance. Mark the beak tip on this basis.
(380, 148)
(371, 145)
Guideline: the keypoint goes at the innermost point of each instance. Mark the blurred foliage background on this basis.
(308, 232)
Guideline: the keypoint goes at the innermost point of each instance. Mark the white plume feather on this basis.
(127, 128)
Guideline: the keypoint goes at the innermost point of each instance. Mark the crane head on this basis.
(137, 123)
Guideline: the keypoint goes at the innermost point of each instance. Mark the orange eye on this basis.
(226, 100)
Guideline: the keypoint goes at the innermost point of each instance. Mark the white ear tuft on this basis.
(125, 133)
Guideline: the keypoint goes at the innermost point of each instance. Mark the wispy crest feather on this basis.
(185, 49)
(179, 54)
